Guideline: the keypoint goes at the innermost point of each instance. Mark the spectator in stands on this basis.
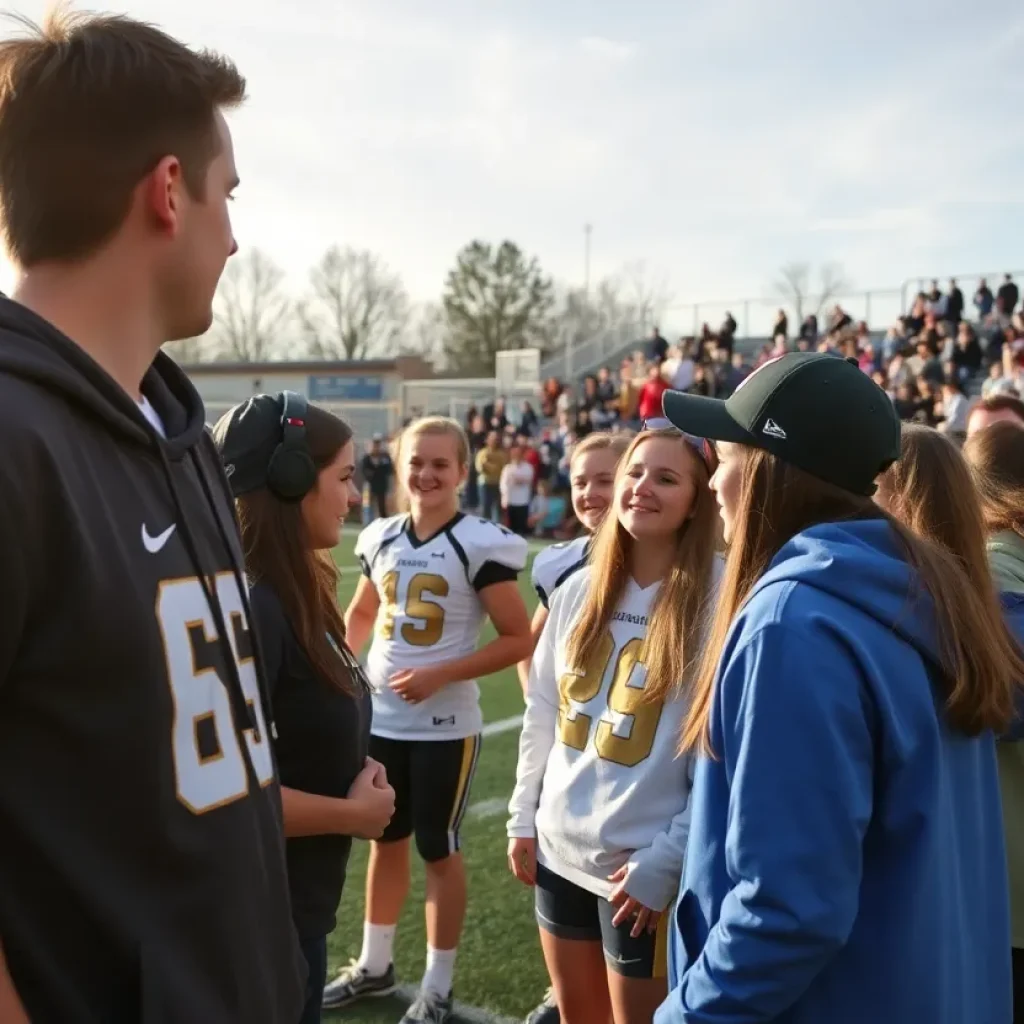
(378, 471)
(898, 372)
(781, 325)
(490, 461)
(539, 505)
(954, 303)
(954, 409)
(1007, 298)
(936, 302)
(925, 364)
(905, 402)
(809, 330)
(967, 352)
(566, 401)
(654, 387)
(549, 397)
(529, 422)
(839, 320)
(996, 382)
(914, 321)
(531, 454)
(702, 381)
(926, 400)
(983, 300)
(658, 348)
(606, 389)
(629, 397)
(495, 415)
(516, 487)
(679, 372)
(995, 409)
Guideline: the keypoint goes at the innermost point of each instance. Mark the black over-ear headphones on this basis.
(291, 472)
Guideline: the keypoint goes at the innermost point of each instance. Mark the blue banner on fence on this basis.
(346, 389)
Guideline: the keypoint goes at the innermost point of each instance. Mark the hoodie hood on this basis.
(861, 563)
(34, 350)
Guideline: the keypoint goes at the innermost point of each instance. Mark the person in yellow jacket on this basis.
(490, 461)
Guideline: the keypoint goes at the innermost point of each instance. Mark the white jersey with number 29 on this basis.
(598, 782)
(430, 612)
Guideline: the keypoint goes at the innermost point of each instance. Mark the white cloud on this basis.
(715, 139)
(608, 49)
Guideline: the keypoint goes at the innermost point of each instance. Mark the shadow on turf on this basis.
(391, 1008)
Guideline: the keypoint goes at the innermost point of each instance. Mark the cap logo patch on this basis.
(772, 429)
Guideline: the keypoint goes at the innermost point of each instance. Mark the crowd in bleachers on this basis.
(932, 362)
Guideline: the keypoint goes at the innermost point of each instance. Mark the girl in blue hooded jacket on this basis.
(846, 860)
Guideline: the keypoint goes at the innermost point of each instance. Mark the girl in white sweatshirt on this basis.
(599, 816)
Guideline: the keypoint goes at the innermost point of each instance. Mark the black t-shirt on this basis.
(322, 740)
(378, 471)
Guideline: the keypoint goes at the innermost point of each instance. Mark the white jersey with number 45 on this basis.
(430, 612)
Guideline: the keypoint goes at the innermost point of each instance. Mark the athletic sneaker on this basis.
(353, 984)
(547, 1012)
(429, 1008)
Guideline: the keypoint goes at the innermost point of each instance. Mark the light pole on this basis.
(587, 231)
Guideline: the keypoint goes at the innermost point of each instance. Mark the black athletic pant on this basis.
(518, 519)
(1018, 985)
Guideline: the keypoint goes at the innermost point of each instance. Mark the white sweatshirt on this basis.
(517, 483)
(598, 781)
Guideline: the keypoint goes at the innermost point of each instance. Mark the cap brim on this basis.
(703, 417)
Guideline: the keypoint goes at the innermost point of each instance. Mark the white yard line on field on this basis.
(502, 725)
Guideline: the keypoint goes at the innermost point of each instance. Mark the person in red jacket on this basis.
(650, 394)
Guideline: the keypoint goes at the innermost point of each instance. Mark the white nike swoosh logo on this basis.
(154, 544)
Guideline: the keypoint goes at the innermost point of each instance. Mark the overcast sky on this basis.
(714, 139)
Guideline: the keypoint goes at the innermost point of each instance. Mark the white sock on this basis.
(440, 971)
(378, 943)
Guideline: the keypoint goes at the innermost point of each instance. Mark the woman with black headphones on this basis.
(291, 469)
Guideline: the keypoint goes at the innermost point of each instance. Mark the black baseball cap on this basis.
(816, 411)
(246, 437)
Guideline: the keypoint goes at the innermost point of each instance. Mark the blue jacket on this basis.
(845, 863)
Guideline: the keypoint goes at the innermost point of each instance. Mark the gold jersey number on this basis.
(417, 606)
(623, 699)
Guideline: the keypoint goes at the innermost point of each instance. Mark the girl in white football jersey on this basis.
(592, 479)
(430, 579)
(599, 816)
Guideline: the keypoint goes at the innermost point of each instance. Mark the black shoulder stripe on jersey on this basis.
(575, 567)
(459, 550)
(368, 565)
(540, 593)
(491, 573)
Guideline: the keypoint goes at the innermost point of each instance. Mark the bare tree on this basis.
(358, 306)
(427, 333)
(252, 309)
(599, 314)
(794, 285)
(644, 293)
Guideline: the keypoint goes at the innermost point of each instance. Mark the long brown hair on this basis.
(995, 456)
(277, 551)
(929, 489)
(778, 501)
(677, 620)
